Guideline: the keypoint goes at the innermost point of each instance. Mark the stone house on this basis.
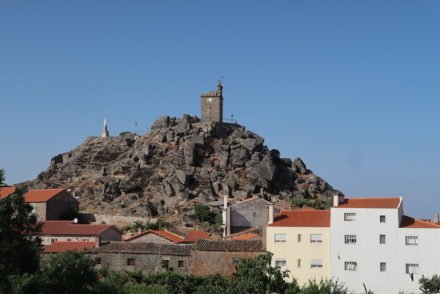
(221, 257)
(251, 213)
(6, 191)
(67, 231)
(156, 236)
(51, 204)
(145, 257)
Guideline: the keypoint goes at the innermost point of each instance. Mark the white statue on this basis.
(105, 133)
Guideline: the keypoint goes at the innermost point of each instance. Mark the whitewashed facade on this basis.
(374, 244)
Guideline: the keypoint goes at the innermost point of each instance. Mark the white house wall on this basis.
(368, 253)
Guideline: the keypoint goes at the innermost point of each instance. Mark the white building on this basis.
(374, 244)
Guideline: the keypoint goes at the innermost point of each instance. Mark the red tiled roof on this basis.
(383, 202)
(161, 233)
(248, 236)
(6, 191)
(68, 246)
(244, 232)
(71, 229)
(412, 223)
(39, 196)
(302, 218)
(196, 235)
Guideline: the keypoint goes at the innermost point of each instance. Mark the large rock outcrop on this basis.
(178, 163)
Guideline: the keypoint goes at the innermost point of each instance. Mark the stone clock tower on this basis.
(212, 105)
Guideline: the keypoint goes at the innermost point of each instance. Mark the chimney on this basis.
(270, 214)
(337, 199)
(225, 214)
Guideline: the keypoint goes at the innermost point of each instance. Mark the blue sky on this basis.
(351, 87)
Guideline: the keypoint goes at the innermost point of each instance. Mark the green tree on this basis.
(20, 245)
(202, 213)
(69, 272)
(324, 287)
(258, 276)
(430, 285)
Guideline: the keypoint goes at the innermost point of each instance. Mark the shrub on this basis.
(202, 213)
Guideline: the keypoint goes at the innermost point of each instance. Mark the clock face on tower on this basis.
(209, 99)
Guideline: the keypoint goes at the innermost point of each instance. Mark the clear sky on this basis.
(351, 87)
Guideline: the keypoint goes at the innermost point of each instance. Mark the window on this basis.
(97, 260)
(383, 267)
(382, 239)
(180, 263)
(382, 219)
(280, 238)
(412, 268)
(280, 262)
(130, 261)
(298, 262)
(351, 266)
(53, 240)
(412, 240)
(69, 240)
(299, 238)
(165, 263)
(316, 263)
(350, 239)
(349, 217)
(315, 238)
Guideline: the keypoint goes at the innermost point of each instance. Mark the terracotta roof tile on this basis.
(234, 236)
(6, 191)
(145, 248)
(67, 228)
(248, 236)
(161, 233)
(382, 202)
(412, 223)
(57, 247)
(39, 196)
(302, 218)
(229, 246)
(195, 235)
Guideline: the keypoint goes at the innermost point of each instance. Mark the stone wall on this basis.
(47, 240)
(60, 204)
(205, 263)
(40, 210)
(212, 109)
(146, 263)
(119, 220)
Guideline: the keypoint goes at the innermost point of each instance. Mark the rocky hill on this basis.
(179, 162)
